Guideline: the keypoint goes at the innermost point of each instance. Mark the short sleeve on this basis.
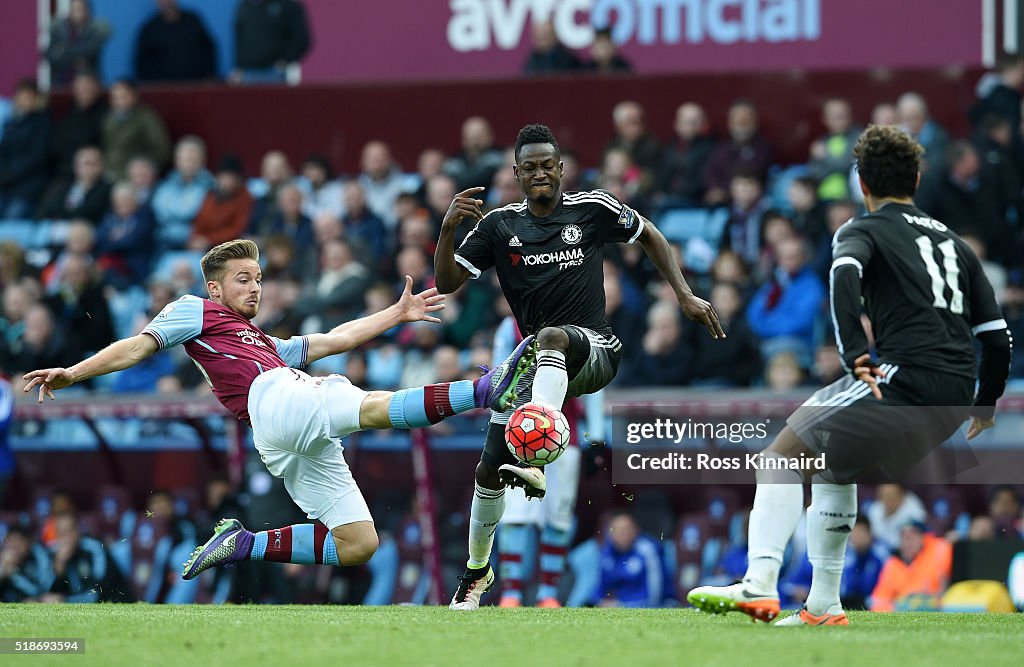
(476, 253)
(294, 350)
(179, 322)
(617, 222)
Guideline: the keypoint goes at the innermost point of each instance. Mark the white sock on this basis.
(830, 520)
(551, 381)
(488, 506)
(778, 501)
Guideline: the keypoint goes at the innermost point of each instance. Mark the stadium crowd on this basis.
(899, 557)
(104, 215)
(104, 220)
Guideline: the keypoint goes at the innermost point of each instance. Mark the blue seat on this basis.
(584, 562)
(165, 264)
(22, 232)
(779, 180)
(714, 226)
(682, 225)
(679, 225)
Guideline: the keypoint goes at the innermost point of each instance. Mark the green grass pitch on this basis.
(294, 636)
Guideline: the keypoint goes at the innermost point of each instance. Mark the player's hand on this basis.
(48, 380)
(699, 310)
(414, 307)
(465, 205)
(978, 425)
(865, 370)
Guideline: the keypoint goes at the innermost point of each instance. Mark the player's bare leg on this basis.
(778, 501)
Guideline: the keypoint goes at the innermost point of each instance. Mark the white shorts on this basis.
(558, 506)
(297, 424)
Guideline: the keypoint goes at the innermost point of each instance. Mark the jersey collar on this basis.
(547, 218)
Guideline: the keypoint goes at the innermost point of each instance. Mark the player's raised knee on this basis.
(553, 338)
(362, 552)
(487, 476)
(356, 543)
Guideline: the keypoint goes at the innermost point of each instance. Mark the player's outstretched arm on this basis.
(115, 357)
(448, 274)
(350, 335)
(695, 308)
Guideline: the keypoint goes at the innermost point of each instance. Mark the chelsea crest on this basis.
(571, 234)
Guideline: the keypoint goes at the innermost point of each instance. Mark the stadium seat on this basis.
(721, 504)
(163, 268)
(125, 306)
(384, 568)
(584, 561)
(149, 552)
(114, 519)
(679, 225)
(22, 232)
(779, 179)
(9, 519)
(88, 523)
(945, 506)
(409, 570)
(654, 513)
(691, 540)
(180, 591)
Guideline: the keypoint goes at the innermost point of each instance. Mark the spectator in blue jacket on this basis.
(363, 227)
(864, 561)
(632, 566)
(124, 242)
(784, 310)
(180, 196)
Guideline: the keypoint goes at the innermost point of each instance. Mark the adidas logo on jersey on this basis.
(515, 242)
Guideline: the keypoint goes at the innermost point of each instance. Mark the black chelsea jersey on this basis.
(550, 269)
(923, 289)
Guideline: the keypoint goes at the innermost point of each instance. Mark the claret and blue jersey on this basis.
(228, 349)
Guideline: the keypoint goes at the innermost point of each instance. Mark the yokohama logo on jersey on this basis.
(564, 258)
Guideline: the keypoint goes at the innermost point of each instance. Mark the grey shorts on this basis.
(591, 363)
(865, 439)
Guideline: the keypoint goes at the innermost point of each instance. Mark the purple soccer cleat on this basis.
(230, 543)
(497, 388)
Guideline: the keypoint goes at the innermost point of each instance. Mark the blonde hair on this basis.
(215, 261)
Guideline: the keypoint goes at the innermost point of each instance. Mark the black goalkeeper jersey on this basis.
(923, 290)
(550, 268)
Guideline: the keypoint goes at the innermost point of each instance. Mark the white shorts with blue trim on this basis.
(298, 422)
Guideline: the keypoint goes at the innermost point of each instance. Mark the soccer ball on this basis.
(537, 434)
